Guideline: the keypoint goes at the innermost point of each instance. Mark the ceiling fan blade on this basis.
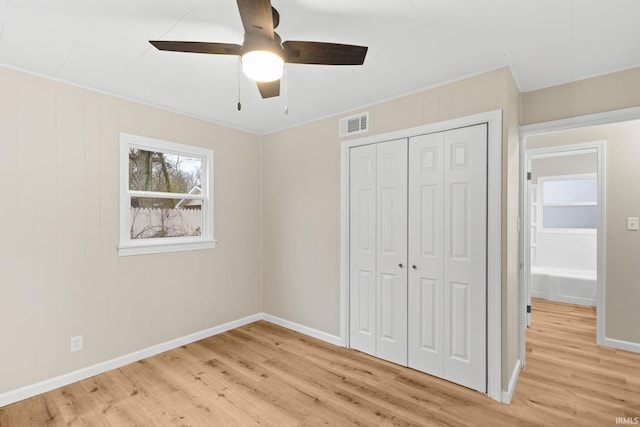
(269, 89)
(198, 47)
(298, 52)
(256, 15)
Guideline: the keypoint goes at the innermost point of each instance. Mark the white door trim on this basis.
(494, 232)
(607, 117)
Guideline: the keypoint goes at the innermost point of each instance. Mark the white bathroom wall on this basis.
(565, 250)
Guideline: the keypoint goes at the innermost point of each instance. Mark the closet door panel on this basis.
(362, 251)
(391, 273)
(425, 282)
(465, 257)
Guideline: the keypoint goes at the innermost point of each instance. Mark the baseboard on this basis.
(314, 333)
(622, 345)
(90, 371)
(508, 394)
(565, 299)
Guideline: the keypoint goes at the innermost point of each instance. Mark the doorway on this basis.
(618, 128)
(615, 267)
(574, 177)
(561, 224)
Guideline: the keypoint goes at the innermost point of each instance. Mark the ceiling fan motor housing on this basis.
(258, 41)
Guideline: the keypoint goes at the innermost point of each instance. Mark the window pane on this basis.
(570, 191)
(157, 218)
(170, 173)
(569, 216)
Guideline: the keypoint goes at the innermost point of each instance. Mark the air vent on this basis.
(354, 124)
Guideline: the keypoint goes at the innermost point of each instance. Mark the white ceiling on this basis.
(413, 44)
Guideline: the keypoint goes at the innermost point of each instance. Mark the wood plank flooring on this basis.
(265, 375)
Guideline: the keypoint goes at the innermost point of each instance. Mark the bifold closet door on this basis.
(378, 250)
(391, 274)
(465, 257)
(426, 247)
(447, 246)
(362, 248)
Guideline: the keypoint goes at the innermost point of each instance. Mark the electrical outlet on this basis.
(76, 343)
(632, 223)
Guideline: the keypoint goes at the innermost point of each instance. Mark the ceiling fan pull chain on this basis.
(239, 77)
(286, 90)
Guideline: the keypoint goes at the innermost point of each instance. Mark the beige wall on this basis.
(610, 92)
(622, 246)
(277, 222)
(574, 164)
(301, 220)
(301, 193)
(60, 274)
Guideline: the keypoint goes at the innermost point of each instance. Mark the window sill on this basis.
(145, 248)
(585, 231)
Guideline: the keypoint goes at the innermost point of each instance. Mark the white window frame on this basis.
(541, 204)
(128, 246)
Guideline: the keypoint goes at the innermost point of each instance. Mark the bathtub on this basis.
(563, 285)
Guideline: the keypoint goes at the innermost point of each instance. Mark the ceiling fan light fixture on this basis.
(262, 65)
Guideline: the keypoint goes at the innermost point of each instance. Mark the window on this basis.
(166, 201)
(569, 203)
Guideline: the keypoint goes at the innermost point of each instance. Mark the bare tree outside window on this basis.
(158, 217)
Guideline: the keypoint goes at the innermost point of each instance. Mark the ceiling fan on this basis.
(263, 53)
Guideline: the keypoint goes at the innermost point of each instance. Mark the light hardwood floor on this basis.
(262, 374)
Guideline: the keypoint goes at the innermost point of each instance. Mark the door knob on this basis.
(400, 265)
(414, 267)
